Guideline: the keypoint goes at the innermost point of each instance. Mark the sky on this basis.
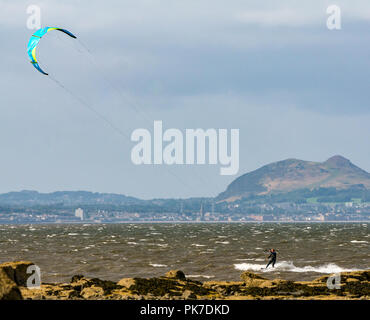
(271, 69)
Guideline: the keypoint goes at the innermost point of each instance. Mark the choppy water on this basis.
(202, 251)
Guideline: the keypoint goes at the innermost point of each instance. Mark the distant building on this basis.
(320, 217)
(256, 217)
(201, 213)
(79, 213)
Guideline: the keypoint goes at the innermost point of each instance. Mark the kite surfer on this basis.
(272, 258)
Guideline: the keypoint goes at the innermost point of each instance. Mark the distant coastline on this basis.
(185, 222)
(285, 191)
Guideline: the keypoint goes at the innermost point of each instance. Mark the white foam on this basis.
(290, 267)
(358, 241)
(157, 265)
(49, 235)
(90, 246)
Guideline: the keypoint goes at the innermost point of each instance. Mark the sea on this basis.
(203, 251)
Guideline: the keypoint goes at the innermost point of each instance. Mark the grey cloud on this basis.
(294, 89)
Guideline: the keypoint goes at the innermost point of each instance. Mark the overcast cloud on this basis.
(269, 68)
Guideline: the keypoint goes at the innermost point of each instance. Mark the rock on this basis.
(156, 286)
(8, 288)
(246, 276)
(68, 295)
(357, 288)
(17, 271)
(175, 274)
(126, 282)
(76, 278)
(79, 283)
(175, 286)
(251, 279)
(92, 292)
(359, 275)
(188, 295)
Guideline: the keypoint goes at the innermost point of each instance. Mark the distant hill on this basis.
(30, 198)
(292, 174)
(291, 180)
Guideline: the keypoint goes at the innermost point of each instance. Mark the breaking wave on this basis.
(157, 265)
(289, 266)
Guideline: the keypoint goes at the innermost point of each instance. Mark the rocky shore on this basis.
(175, 286)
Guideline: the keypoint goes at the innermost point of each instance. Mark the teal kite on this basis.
(35, 39)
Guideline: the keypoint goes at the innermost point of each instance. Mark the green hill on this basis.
(290, 175)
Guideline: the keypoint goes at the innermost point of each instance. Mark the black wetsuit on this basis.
(272, 259)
